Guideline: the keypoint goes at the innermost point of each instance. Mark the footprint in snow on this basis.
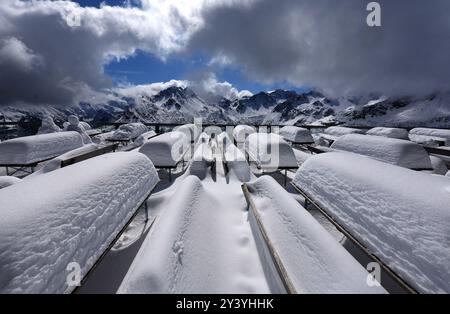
(177, 249)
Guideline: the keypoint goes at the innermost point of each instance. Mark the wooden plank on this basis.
(357, 242)
(282, 273)
(88, 155)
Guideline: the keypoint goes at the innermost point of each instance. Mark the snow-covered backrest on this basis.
(70, 215)
(237, 165)
(144, 137)
(438, 134)
(398, 133)
(270, 151)
(129, 131)
(190, 130)
(241, 132)
(394, 151)
(35, 148)
(296, 135)
(340, 130)
(166, 150)
(401, 215)
(223, 141)
(314, 261)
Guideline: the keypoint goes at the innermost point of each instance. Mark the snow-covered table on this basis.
(402, 216)
(28, 151)
(296, 135)
(56, 222)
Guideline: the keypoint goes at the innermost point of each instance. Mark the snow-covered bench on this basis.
(235, 164)
(128, 132)
(241, 132)
(422, 135)
(223, 141)
(167, 150)
(28, 151)
(306, 258)
(296, 135)
(401, 216)
(67, 219)
(397, 133)
(201, 161)
(394, 151)
(332, 133)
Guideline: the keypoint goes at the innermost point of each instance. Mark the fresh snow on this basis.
(394, 151)
(401, 215)
(397, 133)
(129, 131)
(190, 130)
(340, 130)
(166, 150)
(296, 135)
(35, 148)
(432, 133)
(238, 167)
(301, 156)
(439, 165)
(270, 151)
(143, 138)
(201, 161)
(6, 181)
(48, 126)
(314, 261)
(68, 215)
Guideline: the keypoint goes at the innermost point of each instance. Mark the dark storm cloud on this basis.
(327, 43)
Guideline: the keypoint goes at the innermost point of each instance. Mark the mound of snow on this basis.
(166, 150)
(448, 174)
(6, 181)
(401, 215)
(48, 126)
(301, 156)
(30, 149)
(143, 138)
(269, 151)
(439, 165)
(223, 141)
(128, 131)
(314, 260)
(203, 139)
(238, 166)
(296, 135)
(340, 130)
(397, 133)
(394, 151)
(198, 245)
(436, 134)
(241, 132)
(86, 125)
(69, 215)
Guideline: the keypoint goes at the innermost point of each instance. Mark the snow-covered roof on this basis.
(241, 132)
(401, 215)
(69, 215)
(340, 130)
(314, 261)
(394, 151)
(35, 148)
(296, 134)
(166, 150)
(270, 151)
(129, 131)
(398, 133)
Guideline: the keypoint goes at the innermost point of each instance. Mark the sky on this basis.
(63, 52)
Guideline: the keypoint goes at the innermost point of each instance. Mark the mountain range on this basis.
(181, 105)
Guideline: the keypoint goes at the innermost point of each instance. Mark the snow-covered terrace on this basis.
(218, 225)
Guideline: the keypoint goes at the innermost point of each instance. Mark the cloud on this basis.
(327, 43)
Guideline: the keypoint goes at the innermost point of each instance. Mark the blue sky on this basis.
(143, 68)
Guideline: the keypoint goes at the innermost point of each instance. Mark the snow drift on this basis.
(340, 130)
(68, 215)
(127, 132)
(296, 135)
(314, 260)
(6, 181)
(394, 151)
(35, 148)
(166, 150)
(269, 151)
(397, 133)
(401, 215)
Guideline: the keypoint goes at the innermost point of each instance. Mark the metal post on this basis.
(7, 171)
(170, 174)
(285, 177)
(146, 211)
